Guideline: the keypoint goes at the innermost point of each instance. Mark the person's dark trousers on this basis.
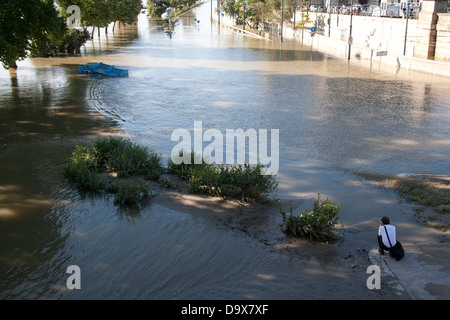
(381, 246)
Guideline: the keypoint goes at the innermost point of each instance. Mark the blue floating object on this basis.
(101, 68)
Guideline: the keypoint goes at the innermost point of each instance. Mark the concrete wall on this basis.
(382, 34)
(442, 52)
(367, 56)
(371, 36)
(388, 34)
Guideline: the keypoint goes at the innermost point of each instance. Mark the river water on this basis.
(332, 117)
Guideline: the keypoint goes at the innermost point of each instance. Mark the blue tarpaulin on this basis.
(101, 68)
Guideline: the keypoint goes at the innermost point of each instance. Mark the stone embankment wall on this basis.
(393, 42)
(376, 33)
(443, 38)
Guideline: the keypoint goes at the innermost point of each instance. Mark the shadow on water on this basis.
(42, 116)
(46, 102)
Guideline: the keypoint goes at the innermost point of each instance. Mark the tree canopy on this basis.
(100, 13)
(38, 28)
(259, 11)
(158, 7)
(24, 24)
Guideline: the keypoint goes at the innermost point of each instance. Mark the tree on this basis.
(100, 13)
(69, 42)
(24, 24)
(158, 7)
(228, 7)
(125, 11)
(258, 11)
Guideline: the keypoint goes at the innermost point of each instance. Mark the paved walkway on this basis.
(423, 273)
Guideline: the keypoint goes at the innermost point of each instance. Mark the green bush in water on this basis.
(130, 192)
(82, 169)
(126, 158)
(243, 182)
(317, 224)
(117, 155)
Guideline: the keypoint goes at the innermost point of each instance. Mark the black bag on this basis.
(396, 251)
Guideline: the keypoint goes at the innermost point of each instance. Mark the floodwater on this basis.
(332, 116)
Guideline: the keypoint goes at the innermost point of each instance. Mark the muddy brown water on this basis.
(333, 117)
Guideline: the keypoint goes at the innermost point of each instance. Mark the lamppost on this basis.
(243, 18)
(282, 9)
(168, 11)
(337, 17)
(295, 11)
(406, 28)
(350, 39)
(329, 18)
(218, 11)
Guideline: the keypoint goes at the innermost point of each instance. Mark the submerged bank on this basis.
(430, 193)
(380, 59)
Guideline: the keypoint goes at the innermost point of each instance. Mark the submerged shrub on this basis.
(104, 147)
(130, 192)
(82, 169)
(317, 224)
(184, 169)
(242, 182)
(126, 158)
(114, 155)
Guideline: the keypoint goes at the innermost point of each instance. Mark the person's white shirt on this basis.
(392, 235)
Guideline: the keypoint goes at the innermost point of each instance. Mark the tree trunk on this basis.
(13, 65)
(93, 29)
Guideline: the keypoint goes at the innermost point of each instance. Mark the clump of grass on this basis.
(242, 182)
(114, 155)
(131, 192)
(126, 158)
(317, 224)
(427, 190)
(82, 169)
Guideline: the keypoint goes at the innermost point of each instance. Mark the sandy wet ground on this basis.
(331, 271)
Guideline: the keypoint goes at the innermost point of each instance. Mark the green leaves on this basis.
(101, 13)
(131, 192)
(242, 182)
(119, 156)
(24, 24)
(317, 224)
(125, 158)
(82, 169)
(258, 11)
(90, 168)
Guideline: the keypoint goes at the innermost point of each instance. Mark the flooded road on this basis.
(332, 116)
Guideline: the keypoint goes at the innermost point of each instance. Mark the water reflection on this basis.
(347, 122)
(41, 111)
